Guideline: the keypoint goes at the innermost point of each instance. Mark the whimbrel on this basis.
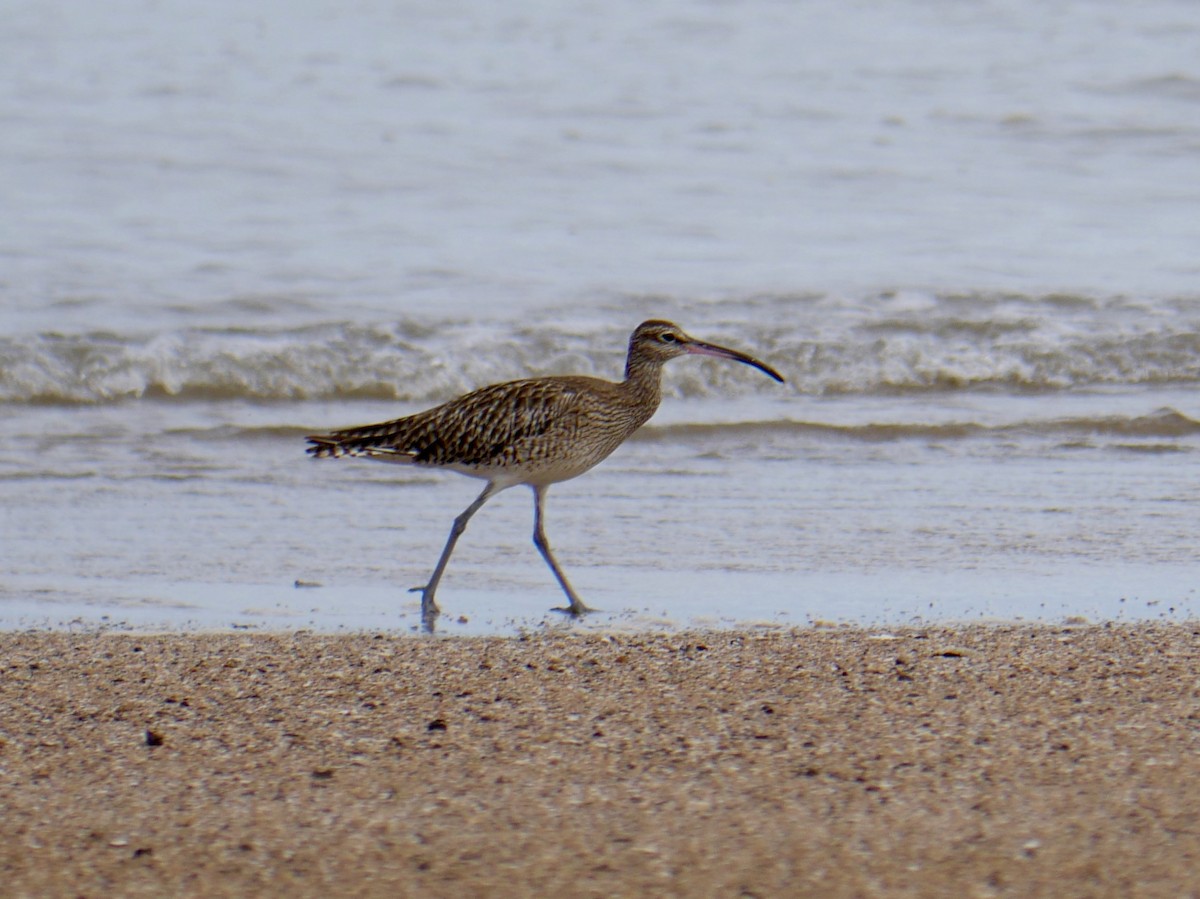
(536, 431)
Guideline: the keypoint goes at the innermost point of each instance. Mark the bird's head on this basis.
(655, 342)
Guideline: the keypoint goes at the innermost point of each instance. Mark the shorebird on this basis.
(536, 432)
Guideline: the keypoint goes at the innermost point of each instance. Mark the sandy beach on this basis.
(943, 761)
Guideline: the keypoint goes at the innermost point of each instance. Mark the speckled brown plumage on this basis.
(522, 429)
(536, 431)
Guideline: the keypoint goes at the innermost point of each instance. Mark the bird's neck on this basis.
(643, 384)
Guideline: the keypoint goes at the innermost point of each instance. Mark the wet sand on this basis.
(965, 761)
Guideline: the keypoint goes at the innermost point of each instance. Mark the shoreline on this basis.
(993, 759)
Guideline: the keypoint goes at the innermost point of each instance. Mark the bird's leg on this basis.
(429, 607)
(539, 540)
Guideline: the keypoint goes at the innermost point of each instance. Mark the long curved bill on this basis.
(700, 348)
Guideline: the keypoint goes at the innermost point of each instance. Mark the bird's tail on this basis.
(327, 446)
(369, 440)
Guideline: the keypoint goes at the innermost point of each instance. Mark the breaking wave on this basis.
(821, 349)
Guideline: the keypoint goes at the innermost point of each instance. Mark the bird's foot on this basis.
(428, 606)
(576, 609)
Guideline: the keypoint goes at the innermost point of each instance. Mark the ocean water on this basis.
(967, 234)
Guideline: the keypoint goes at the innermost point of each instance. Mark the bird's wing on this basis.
(499, 424)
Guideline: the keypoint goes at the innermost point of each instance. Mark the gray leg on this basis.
(428, 605)
(539, 540)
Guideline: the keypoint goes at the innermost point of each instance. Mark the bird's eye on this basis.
(668, 337)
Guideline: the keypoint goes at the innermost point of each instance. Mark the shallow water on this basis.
(966, 236)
